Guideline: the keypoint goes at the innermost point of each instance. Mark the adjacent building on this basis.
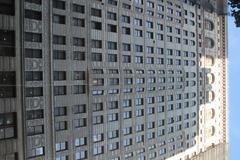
(113, 80)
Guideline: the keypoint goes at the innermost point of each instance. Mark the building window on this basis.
(61, 146)
(96, 44)
(59, 54)
(112, 28)
(62, 125)
(34, 91)
(59, 75)
(35, 130)
(60, 90)
(33, 37)
(78, 8)
(97, 57)
(111, 16)
(60, 19)
(59, 39)
(37, 152)
(80, 108)
(59, 4)
(33, 14)
(79, 56)
(96, 12)
(33, 76)
(78, 89)
(98, 150)
(96, 25)
(81, 155)
(82, 122)
(7, 125)
(60, 111)
(112, 45)
(7, 7)
(78, 22)
(112, 58)
(35, 114)
(126, 30)
(97, 120)
(33, 53)
(79, 75)
(78, 42)
(80, 141)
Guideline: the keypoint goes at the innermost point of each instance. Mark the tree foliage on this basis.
(235, 10)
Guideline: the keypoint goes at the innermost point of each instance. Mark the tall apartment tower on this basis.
(113, 80)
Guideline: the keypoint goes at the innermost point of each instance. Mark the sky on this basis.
(234, 88)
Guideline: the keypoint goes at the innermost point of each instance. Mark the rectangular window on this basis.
(33, 76)
(60, 111)
(59, 4)
(97, 57)
(34, 91)
(96, 44)
(59, 75)
(79, 75)
(62, 125)
(96, 25)
(78, 8)
(35, 114)
(35, 130)
(60, 19)
(78, 41)
(79, 56)
(59, 39)
(59, 54)
(60, 90)
(79, 108)
(33, 53)
(78, 22)
(112, 45)
(112, 28)
(96, 12)
(111, 16)
(112, 58)
(36, 15)
(8, 125)
(78, 89)
(32, 37)
(7, 7)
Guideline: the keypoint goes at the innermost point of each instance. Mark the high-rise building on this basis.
(113, 80)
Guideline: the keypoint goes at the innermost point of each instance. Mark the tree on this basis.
(235, 11)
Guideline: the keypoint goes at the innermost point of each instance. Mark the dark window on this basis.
(35, 114)
(60, 90)
(78, 22)
(59, 4)
(79, 75)
(8, 125)
(79, 56)
(111, 15)
(78, 8)
(112, 45)
(62, 125)
(59, 39)
(7, 84)
(7, 7)
(33, 37)
(60, 111)
(97, 57)
(81, 108)
(59, 75)
(96, 25)
(96, 12)
(96, 44)
(112, 58)
(78, 41)
(33, 53)
(33, 76)
(34, 91)
(59, 54)
(7, 42)
(33, 14)
(78, 89)
(112, 28)
(34, 1)
(35, 130)
(60, 19)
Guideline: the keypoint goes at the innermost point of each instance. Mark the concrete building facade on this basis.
(112, 79)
